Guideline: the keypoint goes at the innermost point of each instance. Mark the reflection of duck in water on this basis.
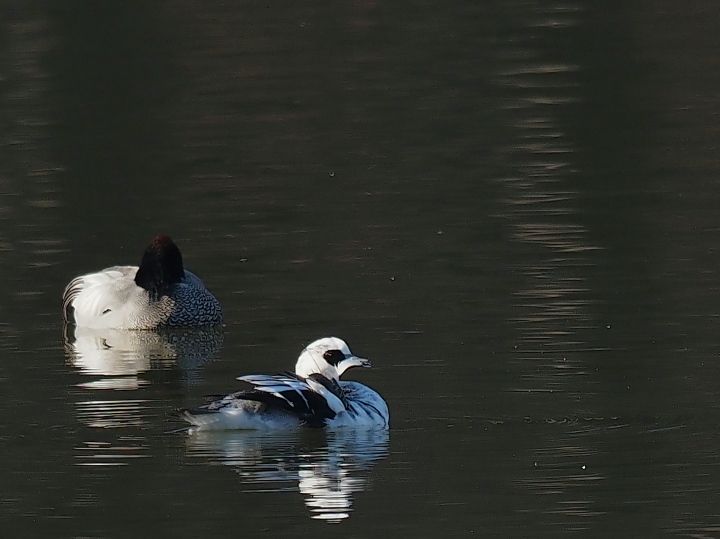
(121, 355)
(312, 396)
(326, 467)
(329, 482)
(159, 293)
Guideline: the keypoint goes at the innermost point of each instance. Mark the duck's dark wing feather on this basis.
(290, 393)
(332, 386)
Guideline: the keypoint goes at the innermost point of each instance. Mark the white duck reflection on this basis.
(115, 360)
(120, 356)
(327, 467)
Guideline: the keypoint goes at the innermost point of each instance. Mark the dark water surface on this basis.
(511, 207)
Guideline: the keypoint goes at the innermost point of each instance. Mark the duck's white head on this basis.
(330, 357)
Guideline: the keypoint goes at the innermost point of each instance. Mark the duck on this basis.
(312, 396)
(159, 293)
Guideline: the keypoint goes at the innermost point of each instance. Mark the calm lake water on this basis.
(511, 207)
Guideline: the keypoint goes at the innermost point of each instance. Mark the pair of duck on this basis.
(161, 293)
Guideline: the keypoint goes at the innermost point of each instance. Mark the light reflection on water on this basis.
(116, 428)
(101, 453)
(553, 303)
(120, 356)
(327, 468)
(116, 360)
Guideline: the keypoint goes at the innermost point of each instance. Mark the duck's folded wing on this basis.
(290, 393)
(94, 294)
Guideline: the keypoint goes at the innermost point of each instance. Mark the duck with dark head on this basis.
(158, 293)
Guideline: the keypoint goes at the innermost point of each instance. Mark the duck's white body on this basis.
(158, 293)
(313, 396)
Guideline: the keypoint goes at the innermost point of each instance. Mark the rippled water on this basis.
(509, 206)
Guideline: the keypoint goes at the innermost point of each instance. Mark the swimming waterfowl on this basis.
(312, 396)
(158, 293)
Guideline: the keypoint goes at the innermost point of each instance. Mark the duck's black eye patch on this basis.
(333, 356)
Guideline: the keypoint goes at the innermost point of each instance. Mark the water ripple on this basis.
(95, 453)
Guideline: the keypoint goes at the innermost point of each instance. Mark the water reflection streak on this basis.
(121, 353)
(115, 360)
(326, 467)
